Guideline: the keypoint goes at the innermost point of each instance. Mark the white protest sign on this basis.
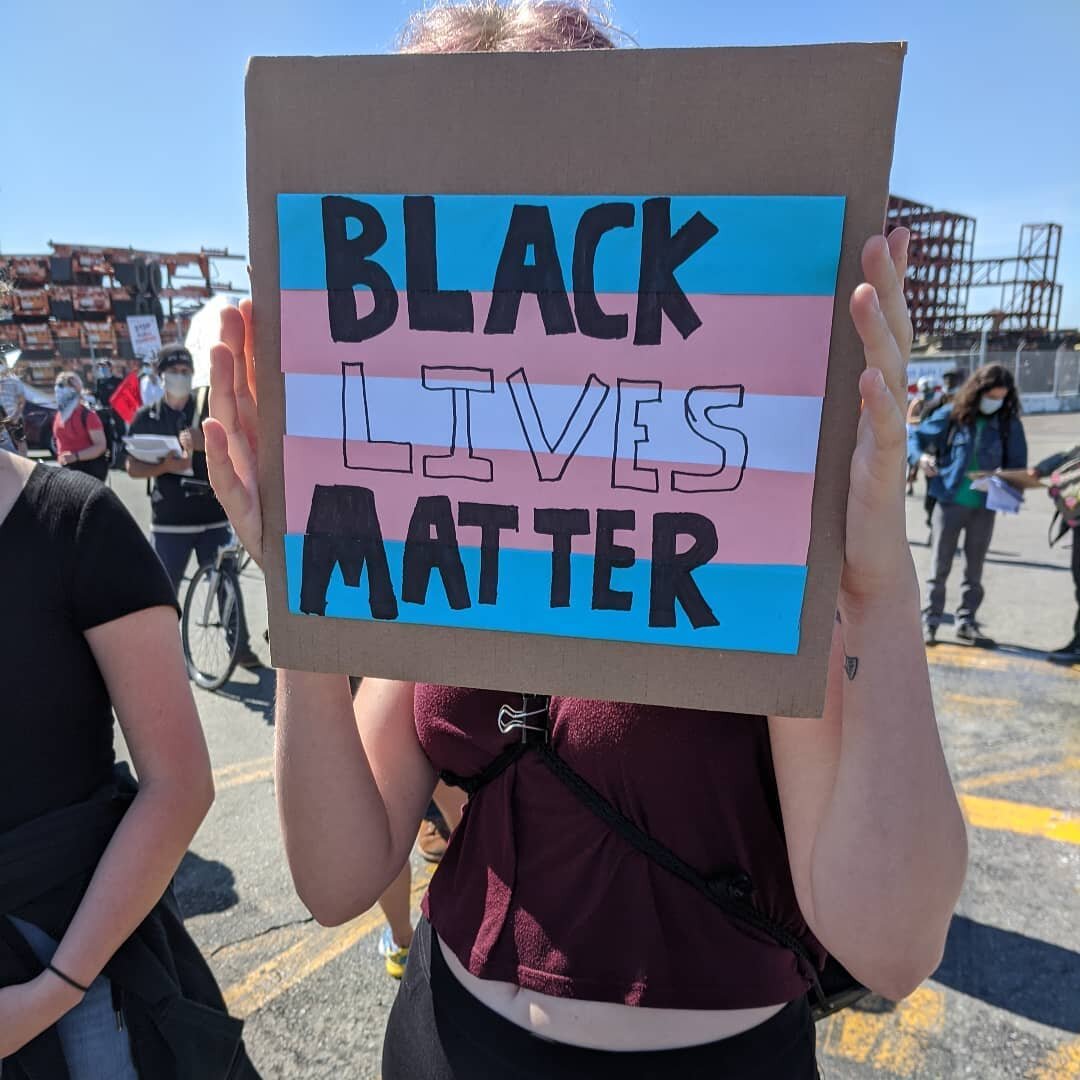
(145, 336)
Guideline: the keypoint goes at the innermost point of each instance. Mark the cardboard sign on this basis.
(557, 381)
(145, 336)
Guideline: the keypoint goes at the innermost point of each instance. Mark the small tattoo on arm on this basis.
(851, 663)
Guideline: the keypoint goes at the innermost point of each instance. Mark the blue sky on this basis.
(127, 127)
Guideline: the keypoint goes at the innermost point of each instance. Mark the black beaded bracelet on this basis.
(67, 978)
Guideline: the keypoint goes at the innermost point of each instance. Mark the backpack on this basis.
(832, 989)
(1065, 493)
(99, 467)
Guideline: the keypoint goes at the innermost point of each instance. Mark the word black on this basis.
(529, 263)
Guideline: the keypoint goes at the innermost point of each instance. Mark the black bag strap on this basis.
(730, 892)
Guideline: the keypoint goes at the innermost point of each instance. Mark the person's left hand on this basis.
(66, 457)
(27, 1009)
(877, 559)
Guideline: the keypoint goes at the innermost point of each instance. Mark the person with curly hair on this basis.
(979, 431)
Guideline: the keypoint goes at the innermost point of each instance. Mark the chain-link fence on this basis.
(1044, 378)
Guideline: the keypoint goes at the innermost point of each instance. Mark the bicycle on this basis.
(213, 623)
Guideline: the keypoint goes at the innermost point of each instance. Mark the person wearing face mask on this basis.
(77, 430)
(186, 518)
(980, 430)
(106, 383)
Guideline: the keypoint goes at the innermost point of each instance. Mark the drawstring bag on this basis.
(832, 989)
(1065, 493)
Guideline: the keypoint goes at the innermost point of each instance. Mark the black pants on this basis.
(98, 468)
(439, 1031)
(1076, 580)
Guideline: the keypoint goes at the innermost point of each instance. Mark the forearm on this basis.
(91, 453)
(336, 826)
(891, 851)
(133, 873)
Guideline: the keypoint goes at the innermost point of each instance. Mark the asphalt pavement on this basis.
(1005, 1002)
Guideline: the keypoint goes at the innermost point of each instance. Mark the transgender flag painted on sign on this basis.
(592, 417)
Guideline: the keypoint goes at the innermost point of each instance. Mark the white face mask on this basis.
(988, 405)
(67, 397)
(177, 385)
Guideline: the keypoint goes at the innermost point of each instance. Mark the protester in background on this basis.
(952, 379)
(150, 387)
(551, 947)
(106, 383)
(186, 518)
(77, 430)
(6, 441)
(93, 952)
(13, 401)
(443, 815)
(1069, 653)
(980, 431)
(396, 899)
(920, 404)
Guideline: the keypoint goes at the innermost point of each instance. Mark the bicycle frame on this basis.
(231, 552)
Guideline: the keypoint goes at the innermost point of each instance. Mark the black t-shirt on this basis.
(72, 558)
(171, 504)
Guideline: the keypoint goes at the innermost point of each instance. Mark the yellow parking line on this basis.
(975, 659)
(242, 766)
(978, 701)
(965, 656)
(1014, 776)
(300, 961)
(243, 772)
(1061, 1064)
(1004, 816)
(244, 778)
(894, 1041)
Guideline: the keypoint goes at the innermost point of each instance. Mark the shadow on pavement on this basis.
(1024, 652)
(1028, 565)
(1011, 971)
(258, 696)
(204, 886)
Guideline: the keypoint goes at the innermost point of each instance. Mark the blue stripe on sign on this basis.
(758, 607)
(778, 245)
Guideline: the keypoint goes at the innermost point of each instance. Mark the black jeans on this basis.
(439, 1031)
(1076, 580)
(948, 522)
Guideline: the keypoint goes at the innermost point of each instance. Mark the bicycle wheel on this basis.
(210, 628)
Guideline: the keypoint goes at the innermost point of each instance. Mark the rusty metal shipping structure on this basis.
(944, 274)
(70, 306)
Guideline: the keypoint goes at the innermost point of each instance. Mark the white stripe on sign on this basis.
(781, 431)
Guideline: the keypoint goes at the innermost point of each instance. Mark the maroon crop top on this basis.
(536, 891)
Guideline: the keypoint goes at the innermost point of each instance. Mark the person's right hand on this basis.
(231, 432)
(928, 464)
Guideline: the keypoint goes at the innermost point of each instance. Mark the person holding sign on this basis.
(633, 891)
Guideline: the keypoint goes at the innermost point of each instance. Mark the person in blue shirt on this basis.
(979, 431)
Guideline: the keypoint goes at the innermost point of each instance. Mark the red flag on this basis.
(127, 397)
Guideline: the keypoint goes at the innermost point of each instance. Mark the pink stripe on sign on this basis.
(766, 520)
(770, 344)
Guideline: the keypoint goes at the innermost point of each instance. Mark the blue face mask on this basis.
(988, 405)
